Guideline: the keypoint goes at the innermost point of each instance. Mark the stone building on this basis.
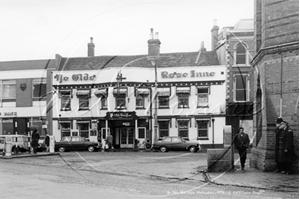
(276, 72)
(235, 48)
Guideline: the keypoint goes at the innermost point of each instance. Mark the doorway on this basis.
(127, 136)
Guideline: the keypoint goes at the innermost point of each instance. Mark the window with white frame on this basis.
(202, 95)
(202, 127)
(183, 94)
(241, 88)
(83, 129)
(39, 89)
(241, 54)
(163, 128)
(183, 128)
(140, 101)
(163, 95)
(104, 102)
(8, 90)
(65, 100)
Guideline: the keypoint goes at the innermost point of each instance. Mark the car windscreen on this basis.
(167, 139)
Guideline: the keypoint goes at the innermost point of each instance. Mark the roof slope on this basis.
(164, 60)
(27, 65)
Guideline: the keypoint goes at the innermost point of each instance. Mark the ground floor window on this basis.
(84, 130)
(202, 129)
(142, 132)
(163, 128)
(183, 128)
(7, 126)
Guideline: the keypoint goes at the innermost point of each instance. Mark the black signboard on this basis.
(121, 115)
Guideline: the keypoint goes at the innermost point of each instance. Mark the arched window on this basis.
(240, 54)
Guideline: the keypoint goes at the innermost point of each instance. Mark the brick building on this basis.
(235, 48)
(24, 89)
(276, 64)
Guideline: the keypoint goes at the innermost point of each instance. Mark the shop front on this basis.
(125, 127)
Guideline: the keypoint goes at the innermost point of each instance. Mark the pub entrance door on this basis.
(127, 135)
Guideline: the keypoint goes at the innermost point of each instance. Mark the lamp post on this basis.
(155, 100)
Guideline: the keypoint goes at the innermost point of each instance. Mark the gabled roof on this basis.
(27, 65)
(165, 60)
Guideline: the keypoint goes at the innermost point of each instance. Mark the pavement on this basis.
(249, 178)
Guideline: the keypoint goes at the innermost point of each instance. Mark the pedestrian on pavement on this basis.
(34, 138)
(286, 148)
(242, 142)
(277, 135)
(109, 140)
(47, 142)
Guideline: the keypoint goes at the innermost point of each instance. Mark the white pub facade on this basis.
(120, 100)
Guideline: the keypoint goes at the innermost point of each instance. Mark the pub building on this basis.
(97, 95)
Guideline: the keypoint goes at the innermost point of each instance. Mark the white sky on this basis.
(39, 29)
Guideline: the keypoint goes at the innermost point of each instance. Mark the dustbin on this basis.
(7, 148)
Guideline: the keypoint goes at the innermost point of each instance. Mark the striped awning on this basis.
(183, 90)
(163, 120)
(120, 91)
(163, 92)
(83, 93)
(202, 119)
(82, 122)
(100, 92)
(64, 91)
(142, 91)
(64, 122)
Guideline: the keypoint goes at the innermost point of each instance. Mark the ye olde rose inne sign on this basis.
(192, 73)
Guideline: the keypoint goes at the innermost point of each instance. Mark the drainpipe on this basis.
(213, 132)
(281, 70)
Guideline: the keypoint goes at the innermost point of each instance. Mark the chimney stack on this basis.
(214, 35)
(153, 44)
(202, 49)
(91, 48)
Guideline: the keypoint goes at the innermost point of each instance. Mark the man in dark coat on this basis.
(47, 142)
(277, 135)
(109, 140)
(34, 138)
(242, 142)
(286, 148)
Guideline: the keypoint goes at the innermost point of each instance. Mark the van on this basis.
(18, 143)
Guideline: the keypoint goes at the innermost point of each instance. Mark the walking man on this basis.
(242, 141)
(286, 148)
(47, 142)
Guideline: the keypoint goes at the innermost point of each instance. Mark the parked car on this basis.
(176, 143)
(76, 143)
(19, 143)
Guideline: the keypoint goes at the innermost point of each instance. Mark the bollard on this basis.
(7, 148)
(51, 144)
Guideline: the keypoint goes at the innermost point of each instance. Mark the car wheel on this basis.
(61, 149)
(192, 149)
(163, 149)
(91, 148)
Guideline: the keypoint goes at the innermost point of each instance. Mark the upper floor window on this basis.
(202, 95)
(183, 94)
(104, 102)
(241, 54)
(140, 101)
(163, 95)
(8, 90)
(120, 96)
(39, 89)
(83, 96)
(102, 94)
(241, 88)
(65, 99)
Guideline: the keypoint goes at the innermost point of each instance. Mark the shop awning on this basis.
(64, 122)
(142, 91)
(163, 92)
(83, 93)
(82, 122)
(202, 119)
(120, 91)
(64, 91)
(183, 90)
(100, 92)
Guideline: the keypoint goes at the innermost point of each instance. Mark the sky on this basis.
(39, 29)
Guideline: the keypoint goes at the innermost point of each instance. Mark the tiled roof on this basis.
(27, 65)
(165, 60)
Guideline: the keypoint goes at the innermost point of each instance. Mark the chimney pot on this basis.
(91, 48)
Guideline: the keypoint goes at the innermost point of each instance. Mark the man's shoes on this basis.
(283, 172)
(277, 171)
(243, 169)
(288, 172)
